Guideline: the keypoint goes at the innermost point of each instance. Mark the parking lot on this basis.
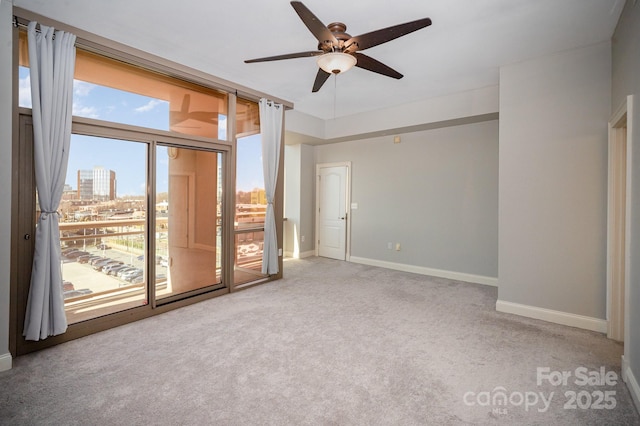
(84, 276)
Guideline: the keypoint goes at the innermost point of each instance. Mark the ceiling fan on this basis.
(338, 51)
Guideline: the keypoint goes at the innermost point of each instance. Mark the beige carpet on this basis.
(333, 343)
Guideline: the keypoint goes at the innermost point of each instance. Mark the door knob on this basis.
(27, 236)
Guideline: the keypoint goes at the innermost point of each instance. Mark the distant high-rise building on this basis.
(85, 184)
(104, 184)
(97, 184)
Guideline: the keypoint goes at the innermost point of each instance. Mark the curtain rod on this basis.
(22, 23)
(17, 23)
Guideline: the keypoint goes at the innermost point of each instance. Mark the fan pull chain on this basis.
(335, 91)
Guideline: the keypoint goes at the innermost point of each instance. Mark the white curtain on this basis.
(271, 130)
(52, 61)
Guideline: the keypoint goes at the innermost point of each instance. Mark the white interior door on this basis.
(332, 211)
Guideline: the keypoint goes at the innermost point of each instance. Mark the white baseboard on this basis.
(558, 317)
(626, 369)
(6, 362)
(632, 384)
(309, 253)
(299, 255)
(458, 276)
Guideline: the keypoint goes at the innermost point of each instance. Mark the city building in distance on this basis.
(98, 184)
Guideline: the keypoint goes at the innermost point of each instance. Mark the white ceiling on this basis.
(463, 49)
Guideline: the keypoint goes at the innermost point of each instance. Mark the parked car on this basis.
(106, 266)
(123, 271)
(76, 293)
(102, 246)
(97, 259)
(68, 253)
(76, 254)
(138, 280)
(67, 286)
(112, 269)
(102, 263)
(129, 276)
(86, 258)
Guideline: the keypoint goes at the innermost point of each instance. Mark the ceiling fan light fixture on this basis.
(336, 62)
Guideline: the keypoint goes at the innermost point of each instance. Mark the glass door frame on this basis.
(155, 301)
(23, 223)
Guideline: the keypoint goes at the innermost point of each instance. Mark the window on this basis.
(106, 263)
(142, 214)
(188, 212)
(251, 200)
(103, 227)
(110, 90)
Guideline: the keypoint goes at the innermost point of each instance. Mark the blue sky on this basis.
(128, 159)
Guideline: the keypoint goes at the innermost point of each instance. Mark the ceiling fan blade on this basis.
(370, 64)
(321, 77)
(384, 35)
(317, 28)
(287, 56)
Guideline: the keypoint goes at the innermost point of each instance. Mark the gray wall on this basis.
(435, 193)
(626, 81)
(299, 198)
(553, 174)
(291, 199)
(626, 55)
(5, 175)
(307, 198)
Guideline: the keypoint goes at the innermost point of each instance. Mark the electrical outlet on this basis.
(302, 239)
(389, 246)
(397, 246)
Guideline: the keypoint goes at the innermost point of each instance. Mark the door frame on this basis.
(347, 192)
(618, 220)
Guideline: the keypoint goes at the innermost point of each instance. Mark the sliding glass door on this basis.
(107, 262)
(188, 221)
(103, 227)
(141, 225)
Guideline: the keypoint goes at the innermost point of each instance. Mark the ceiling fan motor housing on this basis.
(338, 30)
